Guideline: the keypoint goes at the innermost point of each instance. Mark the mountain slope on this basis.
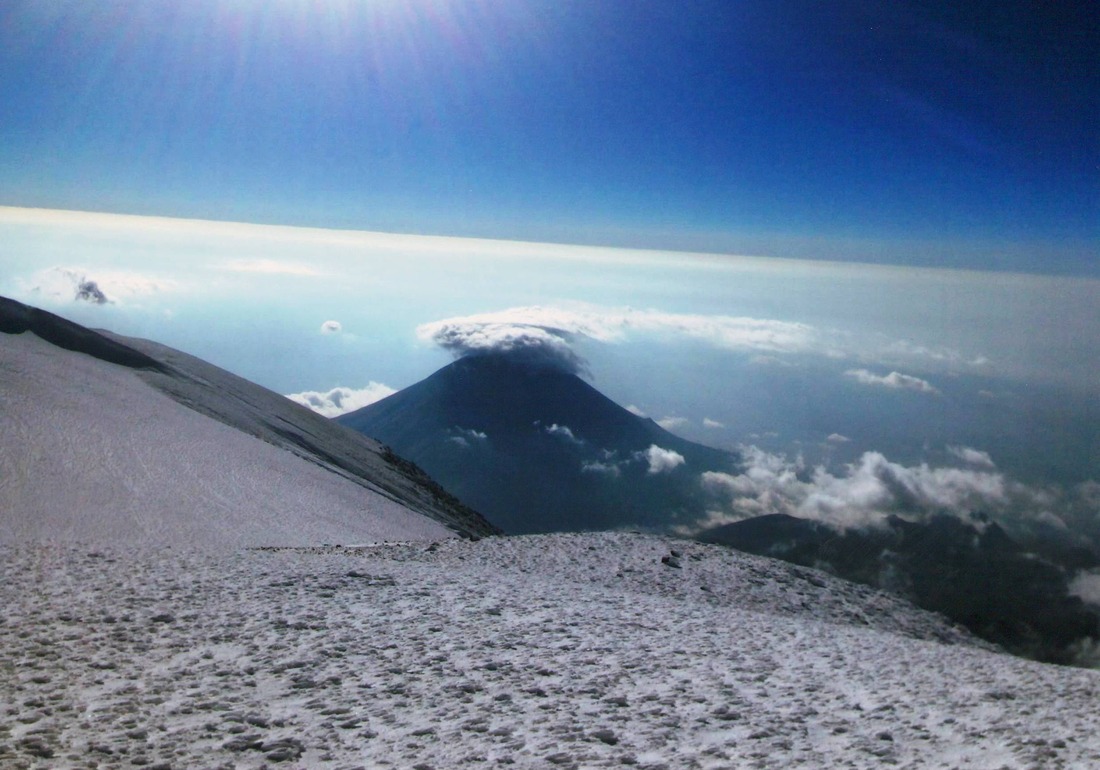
(972, 572)
(537, 652)
(537, 449)
(103, 441)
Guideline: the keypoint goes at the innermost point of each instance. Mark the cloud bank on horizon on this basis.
(548, 334)
(864, 493)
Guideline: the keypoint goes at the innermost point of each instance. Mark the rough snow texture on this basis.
(89, 452)
(590, 651)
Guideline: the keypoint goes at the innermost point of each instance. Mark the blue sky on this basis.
(908, 133)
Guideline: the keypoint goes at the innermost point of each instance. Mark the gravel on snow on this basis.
(585, 651)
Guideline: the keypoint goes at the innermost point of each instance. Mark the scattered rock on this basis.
(606, 736)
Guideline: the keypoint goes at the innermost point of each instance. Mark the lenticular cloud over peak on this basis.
(538, 345)
(546, 335)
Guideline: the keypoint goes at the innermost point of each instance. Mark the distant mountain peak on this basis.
(536, 448)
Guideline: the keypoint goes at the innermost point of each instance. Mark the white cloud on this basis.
(607, 469)
(661, 460)
(563, 431)
(836, 438)
(550, 331)
(464, 437)
(70, 284)
(465, 337)
(975, 457)
(673, 423)
(268, 267)
(1086, 586)
(893, 380)
(865, 491)
(636, 411)
(331, 327)
(712, 424)
(341, 400)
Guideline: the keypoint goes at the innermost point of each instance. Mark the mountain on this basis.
(538, 449)
(105, 438)
(971, 571)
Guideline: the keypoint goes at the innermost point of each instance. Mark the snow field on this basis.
(91, 453)
(582, 651)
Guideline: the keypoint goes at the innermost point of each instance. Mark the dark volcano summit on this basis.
(538, 449)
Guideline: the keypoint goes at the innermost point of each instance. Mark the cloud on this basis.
(893, 380)
(464, 437)
(604, 468)
(73, 284)
(1086, 586)
(673, 423)
(268, 267)
(548, 333)
(636, 411)
(836, 438)
(341, 400)
(975, 457)
(661, 460)
(864, 492)
(564, 432)
(712, 424)
(331, 327)
(536, 345)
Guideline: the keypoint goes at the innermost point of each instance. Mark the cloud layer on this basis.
(547, 334)
(866, 491)
(341, 400)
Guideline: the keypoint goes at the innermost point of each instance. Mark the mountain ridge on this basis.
(163, 446)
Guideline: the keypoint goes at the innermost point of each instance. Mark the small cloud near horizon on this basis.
(331, 327)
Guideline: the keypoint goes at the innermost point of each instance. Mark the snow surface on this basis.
(585, 651)
(90, 452)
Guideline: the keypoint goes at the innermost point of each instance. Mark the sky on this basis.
(931, 133)
(857, 243)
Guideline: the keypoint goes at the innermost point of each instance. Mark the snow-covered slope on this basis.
(93, 449)
(574, 651)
